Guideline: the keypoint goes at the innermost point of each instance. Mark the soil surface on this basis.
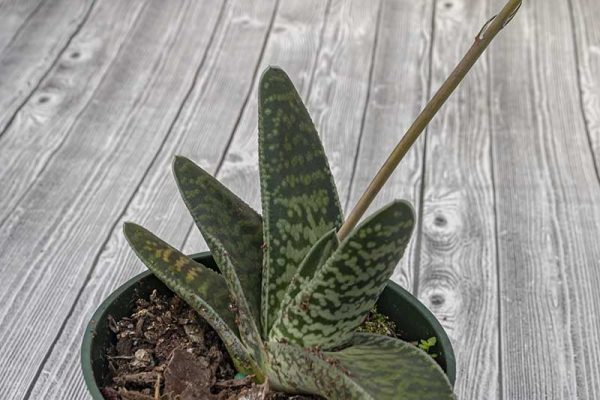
(165, 351)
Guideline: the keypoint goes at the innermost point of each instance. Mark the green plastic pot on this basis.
(413, 320)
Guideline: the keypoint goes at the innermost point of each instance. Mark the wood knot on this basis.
(440, 220)
(437, 299)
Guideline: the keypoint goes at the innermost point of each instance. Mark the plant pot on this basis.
(413, 320)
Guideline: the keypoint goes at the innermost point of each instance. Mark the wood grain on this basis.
(547, 202)
(34, 47)
(44, 123)
(585, 15)
(336, 91)
(14, 15)
(293, 44)
(457, 273)
(398, 90)
(70, 210)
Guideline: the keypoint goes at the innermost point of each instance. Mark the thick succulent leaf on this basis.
(226, 221)
(325, 312)
(388, 368)
(293, 369)
(375, 368)
(203, 289)
(299, 199)
(243, 316)
(317, 256)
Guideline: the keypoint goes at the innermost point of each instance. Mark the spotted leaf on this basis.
(245, 321)
(299, 199)
(325, 312)
(317, 256)
(227, 222)
(200, 287)
(372, 368)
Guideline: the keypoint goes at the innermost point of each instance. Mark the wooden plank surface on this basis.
(547, 203)
(585, 15)
(457, 276)
(336, 92)
(398, 90)
(294, 40)
(34, 36)
(67, 215)
(45, 121)
(96, 96)
(14, 15)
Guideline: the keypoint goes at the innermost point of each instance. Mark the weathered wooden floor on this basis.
(96, 96)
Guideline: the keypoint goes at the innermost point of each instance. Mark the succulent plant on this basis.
(290, 295)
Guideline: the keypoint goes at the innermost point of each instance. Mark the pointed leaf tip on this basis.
(180, 163)
(272, 70)
(178, 159)
(127, 227)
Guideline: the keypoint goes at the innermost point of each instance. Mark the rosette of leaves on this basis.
(290, 296)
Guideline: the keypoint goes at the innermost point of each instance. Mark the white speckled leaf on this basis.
(326, 312)
(299, 199)
(388, 368)
(373, 368)
(225, 220)
(200, 287)
(245, 321)
(316, 257)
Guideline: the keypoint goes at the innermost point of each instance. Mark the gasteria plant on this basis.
(296, 284)
(290, 295)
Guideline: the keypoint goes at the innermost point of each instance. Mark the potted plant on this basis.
(287, 291)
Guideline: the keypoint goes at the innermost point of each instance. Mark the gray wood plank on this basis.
(49, 251)
(14, 14)
(548, 208)
(46, 120)
(293, 44)
(585, 15)
(340, 90)
(201, 131)
(458, 270)
(398, 91)
(34, 48)
(336, 101)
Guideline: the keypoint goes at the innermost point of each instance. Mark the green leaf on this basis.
(299, 199)
(227, 222)
(296, 370)
(317, 256)
(200, 287)
(326, 312)
(373, 368)
(244, 319)
(388, 368)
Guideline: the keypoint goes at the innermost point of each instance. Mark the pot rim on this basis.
(90, 330)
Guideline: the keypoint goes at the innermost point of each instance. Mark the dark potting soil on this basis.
(165, 351)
